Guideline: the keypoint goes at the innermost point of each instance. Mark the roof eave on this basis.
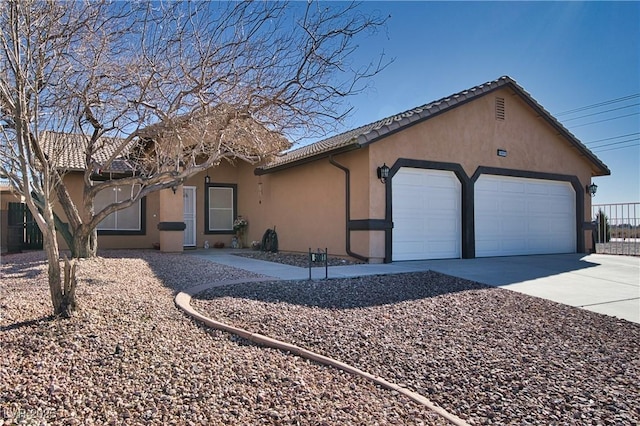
(364, 139)
(371, 137)
(259, 171)
(603, 170)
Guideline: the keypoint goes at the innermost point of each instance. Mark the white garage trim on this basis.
(519, 216)
(427, 214)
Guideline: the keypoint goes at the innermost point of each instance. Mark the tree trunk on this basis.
(63, 295)
(85, 243)
(55, 287)
(69, 304)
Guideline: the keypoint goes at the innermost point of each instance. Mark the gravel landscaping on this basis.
(294, 259)
(131, 357)
(487, 355)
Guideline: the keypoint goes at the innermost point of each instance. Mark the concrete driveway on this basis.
(600, 283)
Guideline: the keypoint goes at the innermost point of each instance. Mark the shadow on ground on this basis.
(347, 293)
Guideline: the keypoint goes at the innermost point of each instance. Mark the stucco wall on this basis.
(470, 135)
(307, 207)
(306, 203)
(75, 185)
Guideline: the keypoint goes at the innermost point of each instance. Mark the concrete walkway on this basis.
(287, 272)
(600, 283)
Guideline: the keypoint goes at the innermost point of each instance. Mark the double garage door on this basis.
(512, 216)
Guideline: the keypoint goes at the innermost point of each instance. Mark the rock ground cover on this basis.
(131, 357)
(294, 259)
(488, 355)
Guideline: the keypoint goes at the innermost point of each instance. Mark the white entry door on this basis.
(427, 214)
(189, 195)
(519, 216)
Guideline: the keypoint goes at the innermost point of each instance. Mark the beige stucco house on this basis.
(484, 172)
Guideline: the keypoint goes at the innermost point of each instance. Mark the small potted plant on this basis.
(239, 227)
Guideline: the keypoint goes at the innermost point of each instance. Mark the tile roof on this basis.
(4, 184)
(369, 133)
(68, 151)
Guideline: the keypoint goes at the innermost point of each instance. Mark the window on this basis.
(129, 221)
(220, 208)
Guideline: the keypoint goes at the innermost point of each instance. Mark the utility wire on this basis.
(613, 137)
(618, 147)
(601, 112)
(599, 104)
(614, 143)
(606, 119)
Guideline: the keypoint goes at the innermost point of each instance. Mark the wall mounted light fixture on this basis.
(383, 173)
(591, 189)
(207, 179)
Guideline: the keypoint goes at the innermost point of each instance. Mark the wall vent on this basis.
(499, 108)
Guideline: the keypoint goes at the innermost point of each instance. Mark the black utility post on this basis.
(318, 257)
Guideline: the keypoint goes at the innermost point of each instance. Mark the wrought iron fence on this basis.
(616, 228)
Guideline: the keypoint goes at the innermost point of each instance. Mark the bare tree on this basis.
(171, 89)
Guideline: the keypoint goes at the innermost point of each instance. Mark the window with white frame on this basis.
(126, 221)
(220, 205)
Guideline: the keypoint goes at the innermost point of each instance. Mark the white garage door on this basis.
(426, 214)
(516, 216)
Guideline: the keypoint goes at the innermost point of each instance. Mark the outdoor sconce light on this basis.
(383, 173)
(591, 189)
(174, 188)
(207, 179)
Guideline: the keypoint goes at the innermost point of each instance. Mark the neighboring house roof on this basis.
(4, 184)
(364, 135)
(222, 128)
(68, 152)
(235, 132)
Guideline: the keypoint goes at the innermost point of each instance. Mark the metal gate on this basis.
(617, 228)
(23, 232)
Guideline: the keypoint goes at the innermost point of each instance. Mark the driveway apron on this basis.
(600, 283)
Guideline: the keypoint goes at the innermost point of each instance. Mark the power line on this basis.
(618, 147)
(599, 104)
(601, 112)
(613, 137)
(607, 119)
(615, 143)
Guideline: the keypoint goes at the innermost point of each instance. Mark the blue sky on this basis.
(567, 55)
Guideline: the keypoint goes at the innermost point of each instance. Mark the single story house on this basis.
(483, 172)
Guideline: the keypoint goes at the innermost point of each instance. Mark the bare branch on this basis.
(165, 90)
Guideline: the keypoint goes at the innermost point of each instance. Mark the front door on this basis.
(189, 194)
